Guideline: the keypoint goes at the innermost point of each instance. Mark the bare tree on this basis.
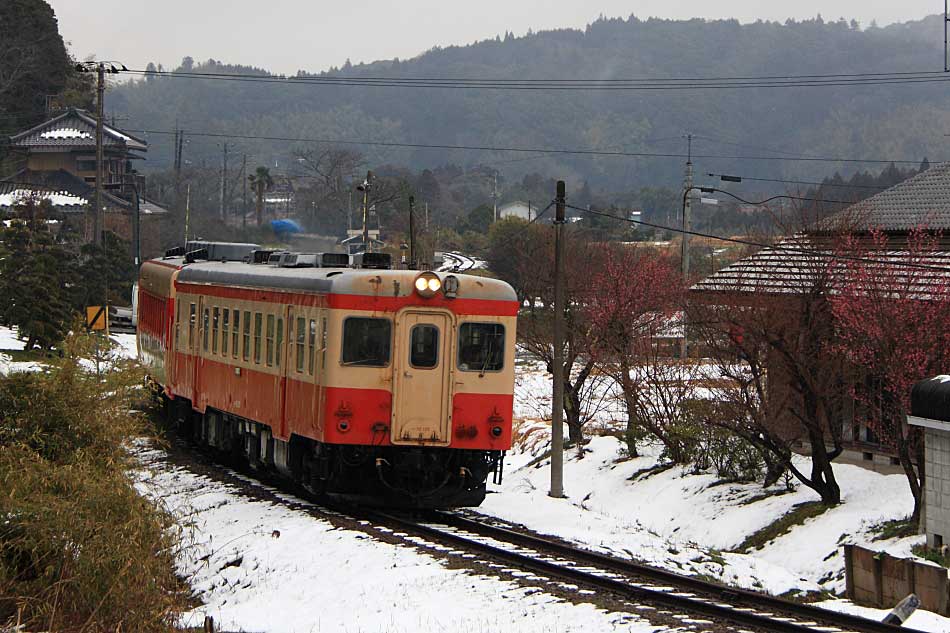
(768, 324)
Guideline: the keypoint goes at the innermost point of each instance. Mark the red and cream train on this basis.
(394, 385)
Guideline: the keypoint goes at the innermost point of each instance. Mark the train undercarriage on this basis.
(392, 476)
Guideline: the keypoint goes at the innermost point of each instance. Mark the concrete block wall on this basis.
(937, 487)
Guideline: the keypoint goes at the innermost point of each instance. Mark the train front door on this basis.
(422, 363)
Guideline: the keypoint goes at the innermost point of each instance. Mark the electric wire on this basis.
(656, 83)
(526, 150)
(805, 182)
(764, 245)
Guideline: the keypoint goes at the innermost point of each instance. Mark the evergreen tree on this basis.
(36, 277)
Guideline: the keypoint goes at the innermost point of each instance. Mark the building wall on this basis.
(937, 487)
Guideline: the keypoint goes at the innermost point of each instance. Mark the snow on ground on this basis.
(257, 566)
(123, 347)
(689, 522)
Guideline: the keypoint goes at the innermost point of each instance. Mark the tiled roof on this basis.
(74, 128)
(68, 193)
(923, 200)
(799, 263)
(805, 264)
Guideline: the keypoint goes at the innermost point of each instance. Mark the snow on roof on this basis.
(57, 199)
(67, 132)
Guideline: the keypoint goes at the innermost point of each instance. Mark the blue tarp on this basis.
(285, 226)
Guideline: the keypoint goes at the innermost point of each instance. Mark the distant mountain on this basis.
(904, 121)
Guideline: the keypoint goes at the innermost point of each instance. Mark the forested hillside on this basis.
(903, 121)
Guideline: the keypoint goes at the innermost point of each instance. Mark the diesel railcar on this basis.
(393, 386)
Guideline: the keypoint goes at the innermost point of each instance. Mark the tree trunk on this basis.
(260, 207)
(629, 389)
(572, 416)
(915, 480)
(822, 478)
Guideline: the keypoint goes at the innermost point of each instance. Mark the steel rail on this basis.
(654, 574)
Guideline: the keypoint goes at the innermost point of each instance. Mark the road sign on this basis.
(97, 318)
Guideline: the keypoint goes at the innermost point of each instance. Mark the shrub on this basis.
(80, 550)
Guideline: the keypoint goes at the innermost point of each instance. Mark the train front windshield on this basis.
(481, 347)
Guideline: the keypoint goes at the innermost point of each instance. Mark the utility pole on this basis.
(367, 246)
(244, 197)
(412, 232)
(187, 211)
(100, 94)
(557, 401)
(687, 207)
(224, 180)
(494, 193)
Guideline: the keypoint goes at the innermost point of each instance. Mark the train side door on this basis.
(285, 324)
(422, 405)
(199, 398)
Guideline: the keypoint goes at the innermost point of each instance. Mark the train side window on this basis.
(258, 321)
(205, 329)
(247, 335)
(312, 344)
(367, 342)
(178, 325)
(301, 342)
(280, 341)
(215, 323)
(192, 319)
(225, 330)
(270, 340)
(323, 346)
(424, 346)
(235, 333)
(481, 347)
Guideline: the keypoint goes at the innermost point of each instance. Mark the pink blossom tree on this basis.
(892, 311)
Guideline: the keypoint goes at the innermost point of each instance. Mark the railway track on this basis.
(486, 541)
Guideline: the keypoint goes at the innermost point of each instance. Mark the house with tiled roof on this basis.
(809, 263)
(59, 166)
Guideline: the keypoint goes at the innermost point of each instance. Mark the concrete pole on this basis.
(557, 400)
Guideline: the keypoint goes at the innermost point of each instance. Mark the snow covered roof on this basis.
(67, 192)
(74, 128)
(60, 199)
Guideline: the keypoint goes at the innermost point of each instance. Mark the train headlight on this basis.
(427, 284)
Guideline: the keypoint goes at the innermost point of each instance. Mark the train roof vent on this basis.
(195, 255)
(380, 261)
(334, 260)
(260, 256)
(276, 257)
(178, 251)
(223, 251)
(299, 260)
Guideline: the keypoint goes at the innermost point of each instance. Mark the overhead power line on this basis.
(535, 150)
(656, 83)
(806, 182)
(745, 242)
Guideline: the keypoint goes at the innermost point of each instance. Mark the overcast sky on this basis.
(287, 35)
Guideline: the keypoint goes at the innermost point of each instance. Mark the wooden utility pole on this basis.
(100, 94)
(412, 232)
(557, 400)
